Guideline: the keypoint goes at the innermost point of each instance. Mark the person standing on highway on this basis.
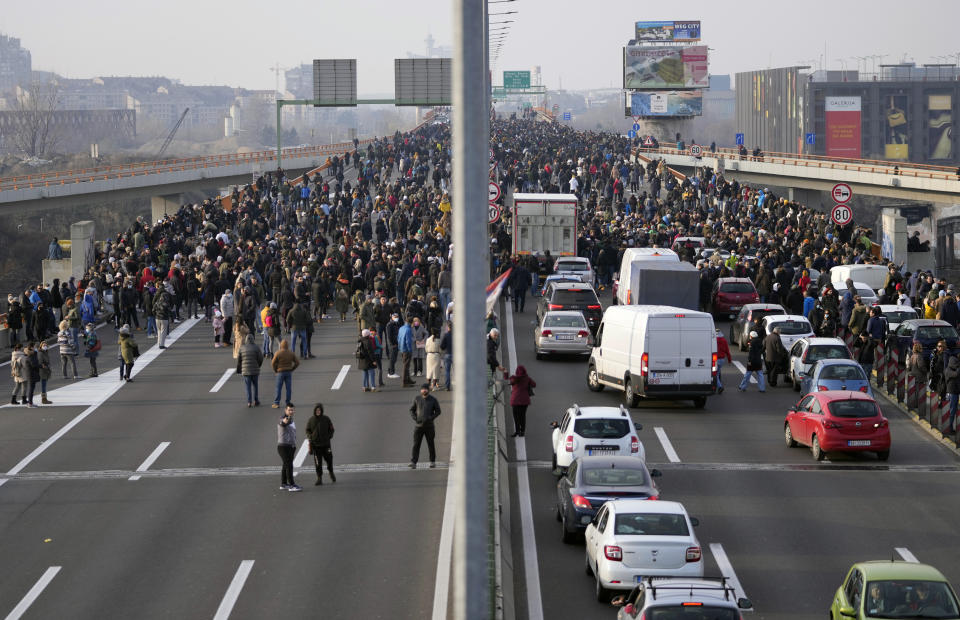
(865, 353)
(521, 389)
(951, 377)
(367, 361)
(424, 410)
(228, 308)
(754, 363)
(19, 374)
(248, 366)
(320, 432)
(446, 346)
(493, 344)
(284, 363)
(128, 352)
(723, 357)
(432, 349)
(163, 311)
(775, 355)
(286, 447)
(31, 365)
(91, 348)
(392, 336)
(405, 346)
(68, 352)
(43, 357)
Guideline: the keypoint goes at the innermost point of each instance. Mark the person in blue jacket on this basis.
(405, 346)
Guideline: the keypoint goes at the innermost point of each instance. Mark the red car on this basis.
(838, 421)
(730, 294)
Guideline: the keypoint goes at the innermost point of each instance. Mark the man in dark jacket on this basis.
(754, 364)
(249, 361)
(519, 283)
(320, 432)
(424, 410)
(774, 354)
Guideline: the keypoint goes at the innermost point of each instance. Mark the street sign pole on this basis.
(471, 141)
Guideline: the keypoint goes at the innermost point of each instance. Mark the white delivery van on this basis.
(659, 352)
(633, 258)
(874, 276)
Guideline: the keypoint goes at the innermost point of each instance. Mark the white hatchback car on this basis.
(808, 351)
(630, 540)
(586, 431)
(577, 266)
(793, 327)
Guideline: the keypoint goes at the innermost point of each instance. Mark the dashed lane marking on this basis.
(905, 553)
(233, 591)
(223, 379)
(667, 446)
(340, 377)
(150, 459)
(726, 568)
(34, 592)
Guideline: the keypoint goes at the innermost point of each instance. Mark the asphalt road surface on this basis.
(788, 527)
(206, 532)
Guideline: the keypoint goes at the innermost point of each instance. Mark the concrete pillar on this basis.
(161, 206)
(81, 247)
(893, 246)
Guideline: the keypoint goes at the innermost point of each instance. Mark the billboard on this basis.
(940, 127)
(895, 140)
(668, 31)
(672, 103)
(666, 68)
(335, 81)
(516, 79)
(843, 126)
(422, 81)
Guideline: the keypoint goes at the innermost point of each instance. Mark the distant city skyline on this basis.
(202, 44)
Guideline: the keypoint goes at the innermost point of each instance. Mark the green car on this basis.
(894, 589)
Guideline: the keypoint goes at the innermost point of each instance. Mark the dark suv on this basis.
(572, 296)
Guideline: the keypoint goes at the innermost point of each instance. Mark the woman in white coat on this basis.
(432, 348)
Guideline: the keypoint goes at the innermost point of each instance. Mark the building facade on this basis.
(15, 64)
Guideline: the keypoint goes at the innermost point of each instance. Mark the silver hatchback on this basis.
(562, 331)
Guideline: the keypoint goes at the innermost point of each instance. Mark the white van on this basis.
(874, 276)
(659, 352)
(632, 259)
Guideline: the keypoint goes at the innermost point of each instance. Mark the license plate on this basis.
(564, 336)
(663, 374)
(639, 578)
(734, 308)
(600, 451)
(858, 442)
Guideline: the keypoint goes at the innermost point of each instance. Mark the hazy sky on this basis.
(236, 42)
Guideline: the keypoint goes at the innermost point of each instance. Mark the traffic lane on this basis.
(23, 429)
(170, 550)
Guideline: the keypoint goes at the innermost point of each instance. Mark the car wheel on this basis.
(732, 339)
(586, 563)
(603, 595)
(566, 535)
(630, 398)
(700, 402)
(883, 455)
(593, 379)
(818, 453)
(788, 436)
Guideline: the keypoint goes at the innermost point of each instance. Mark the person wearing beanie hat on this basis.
(367, 360)
(127, 353)
(424, 410)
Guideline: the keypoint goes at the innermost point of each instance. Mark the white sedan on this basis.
(629, 540)
(793, 327)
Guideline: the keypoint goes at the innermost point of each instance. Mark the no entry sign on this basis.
(841, 215)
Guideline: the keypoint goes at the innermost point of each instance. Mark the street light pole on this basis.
(471, 139)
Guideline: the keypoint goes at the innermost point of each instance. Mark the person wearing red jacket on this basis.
(723, 357)
(521, 390)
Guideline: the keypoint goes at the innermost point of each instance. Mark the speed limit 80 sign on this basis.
(841, 214)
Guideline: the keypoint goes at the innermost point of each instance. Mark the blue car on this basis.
(836, 374)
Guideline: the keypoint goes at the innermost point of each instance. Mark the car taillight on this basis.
(612, 552)
(863, 389)
(569, 443)
(643, 365)
(581, 502)
(653, 497)
(713, 364)
(881, 424)
(693, 554)
(634, 445)
(546, 332)
(594, 307)
(822, 388)
(629, 297)
(830, 424)
(554, 306)
(691, 604)
(583, 333)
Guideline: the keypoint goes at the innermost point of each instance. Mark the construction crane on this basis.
(173, 132)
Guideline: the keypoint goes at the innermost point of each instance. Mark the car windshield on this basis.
(759, 314)
(936, 332)
(853, 408)
(866, 292)
(573, 266)
(736, 287)
(581, 296)
(602, 428)
(899, 317)
(656, 524)
(909, 599)
(827, 352)
(842, 372)
(690, 612)
(564, 320)
(792, 327)
(615, 477)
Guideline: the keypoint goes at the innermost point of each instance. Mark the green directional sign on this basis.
(516, 79)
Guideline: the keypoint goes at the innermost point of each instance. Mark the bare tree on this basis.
(35, 132)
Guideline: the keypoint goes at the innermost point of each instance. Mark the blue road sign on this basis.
(739, 139)
(566, 116)
(636, 126)
(811, 139)
(631, 134)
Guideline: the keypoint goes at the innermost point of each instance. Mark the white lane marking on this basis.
(144, 466)
(223, 379)
(743, 371)
(726, 568)
(340, 377)
(906, 555)
(233, 592)
(441, 589)
(102, 397)
(531, 566)
(667, 446)
(300, 456)
(34, 592)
